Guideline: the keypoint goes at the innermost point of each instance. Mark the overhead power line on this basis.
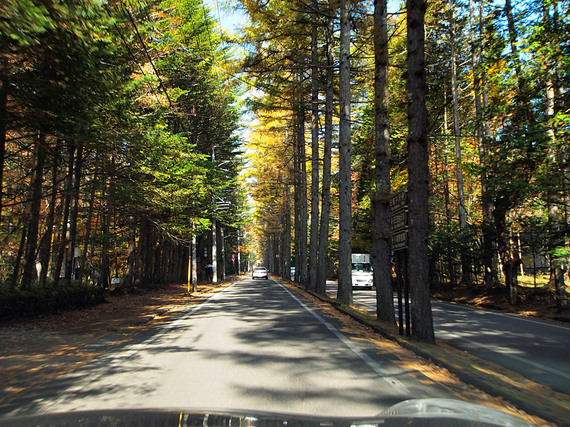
(497, 135)
(161, 85)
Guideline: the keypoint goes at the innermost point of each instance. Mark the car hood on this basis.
(419, 412)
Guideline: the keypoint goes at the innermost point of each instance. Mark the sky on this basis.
(230, 19)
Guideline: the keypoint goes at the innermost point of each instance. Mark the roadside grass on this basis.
(529, 281)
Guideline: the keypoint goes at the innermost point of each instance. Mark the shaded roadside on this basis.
(36, 350)
(489, 377)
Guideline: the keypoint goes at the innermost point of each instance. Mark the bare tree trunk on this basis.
(344, 142)
(214, 252)
(303, 213)
(465, 258)
(300, 192)
(29, 272)
(314, 233)
(381, 237)
(448, 215)
(46, 246)
(87, 241)
(20, 253)
(418, 171)
(296, 194)
(62, 246)
(3, 132)
(286, 252)
(194, 266)
(510, 264)
(489, 248)
(556, 231)
(74, 214)
(326, 184)
(129, 278)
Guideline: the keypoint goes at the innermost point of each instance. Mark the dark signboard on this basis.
(399, 220)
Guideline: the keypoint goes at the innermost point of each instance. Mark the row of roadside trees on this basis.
(488, 140)
(118, 144)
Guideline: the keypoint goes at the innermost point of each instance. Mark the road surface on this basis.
(537, 349)
(252, 346)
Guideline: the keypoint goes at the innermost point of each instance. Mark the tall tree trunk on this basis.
(418, 172)
(87, 241)
(108, 209)
(214, 251)
(296, 196)
(314, 233)
(448, 215)
(300, 173)
(509, 262)
(303, 213)
(146, 244)
(46, 246)
(344, 142)
(20, 254)
(286, 252)
(63, 235)
(74, 215)
(327, 153)
(556, 231)
(29, 272)
(194, 266)
(381, 237)
(223, 253)
(465, 258)
(3, 133)
(129, 278)
(489, 248)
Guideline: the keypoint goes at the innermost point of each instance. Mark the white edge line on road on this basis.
(511, 316)
(383, 373)
(512, 356)
(130, 350)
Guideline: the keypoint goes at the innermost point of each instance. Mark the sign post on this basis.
(399, 231)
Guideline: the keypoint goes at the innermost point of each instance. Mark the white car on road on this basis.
(259, 273)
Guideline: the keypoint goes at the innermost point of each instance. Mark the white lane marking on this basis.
(383, 373)
(510, 316)
(130, 351)
(507, 353)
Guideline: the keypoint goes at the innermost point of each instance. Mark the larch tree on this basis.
(344, 142)
(418, 170)
(381, 235)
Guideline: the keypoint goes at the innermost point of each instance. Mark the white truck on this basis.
(362, 276)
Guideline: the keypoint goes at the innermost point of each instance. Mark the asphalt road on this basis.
(539, 350)
(252, 346)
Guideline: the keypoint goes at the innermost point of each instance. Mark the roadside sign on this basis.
(400, 240)
(399, 201)
(399, 231)
(399, 220)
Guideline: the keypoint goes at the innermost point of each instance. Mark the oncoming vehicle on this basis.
(259, 273)
(362, 276)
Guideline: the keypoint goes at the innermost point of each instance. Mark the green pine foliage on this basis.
(118, 109)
